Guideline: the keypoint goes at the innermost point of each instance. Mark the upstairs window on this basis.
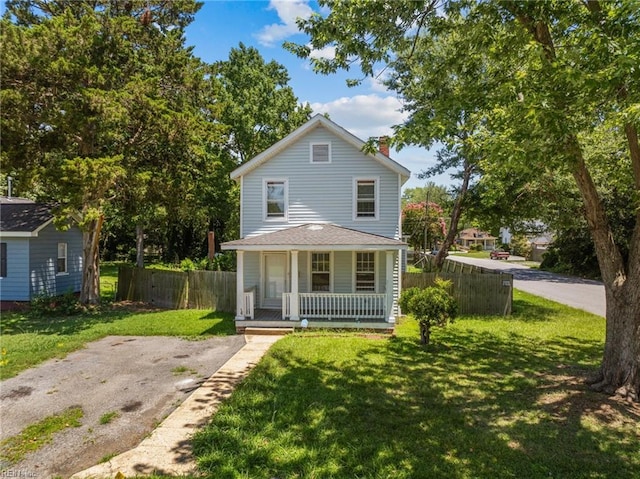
(275, 199)
(320, 272)
(320, 153)
(366, 199)
(3, 260)
(62, 258)
(366, 272)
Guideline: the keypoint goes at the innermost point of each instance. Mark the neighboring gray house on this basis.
(320, 232)
(35, 257)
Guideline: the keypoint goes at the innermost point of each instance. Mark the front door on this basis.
(275, 279)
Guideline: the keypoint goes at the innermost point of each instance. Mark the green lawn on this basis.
(489, 398)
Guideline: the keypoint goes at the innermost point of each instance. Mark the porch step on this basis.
(266, 331)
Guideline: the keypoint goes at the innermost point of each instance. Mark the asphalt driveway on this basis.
(135, 380)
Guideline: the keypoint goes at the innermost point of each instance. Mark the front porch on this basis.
(319, 276)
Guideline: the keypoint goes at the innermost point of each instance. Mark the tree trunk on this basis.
(90, 292)
(139, 245)
(455, 215)
(620, 369)
(425, 333)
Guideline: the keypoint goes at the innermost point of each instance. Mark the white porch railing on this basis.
(248, 301)
(337, 305)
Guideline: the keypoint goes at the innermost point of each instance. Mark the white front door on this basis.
(274, 279)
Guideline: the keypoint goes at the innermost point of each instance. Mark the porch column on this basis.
(295, 303)
(389, 288)
(240, 285)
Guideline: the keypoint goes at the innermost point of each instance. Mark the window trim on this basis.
(3, 260)
(312, 157)
(311, 272)
(265, 206)
(375, 272)
(65, 257)
(376, 198)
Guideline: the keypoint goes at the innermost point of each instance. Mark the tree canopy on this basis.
(107, 112)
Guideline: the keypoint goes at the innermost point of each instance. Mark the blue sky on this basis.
(366, 111)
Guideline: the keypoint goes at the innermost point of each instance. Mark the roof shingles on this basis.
(315, 235)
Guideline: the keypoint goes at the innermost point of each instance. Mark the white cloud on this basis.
(364, 115)
(288, 11)
(326, 52)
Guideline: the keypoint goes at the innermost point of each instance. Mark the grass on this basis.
(489, 398)
(15, 448)
(108, 417)
(472, 254)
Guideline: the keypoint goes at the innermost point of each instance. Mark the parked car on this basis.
(499, 254)
(434, 252)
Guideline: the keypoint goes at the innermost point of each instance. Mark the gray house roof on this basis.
(315, 237)
(315, 122)
(23, 218)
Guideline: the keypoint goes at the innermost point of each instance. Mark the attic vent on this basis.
(315, 228)
(320, 153)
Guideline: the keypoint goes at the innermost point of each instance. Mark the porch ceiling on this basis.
(315, 237)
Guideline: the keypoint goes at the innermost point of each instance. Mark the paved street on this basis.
(576, 292)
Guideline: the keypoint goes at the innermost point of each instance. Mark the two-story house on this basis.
(320, 232)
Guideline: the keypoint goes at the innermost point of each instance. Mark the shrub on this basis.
(432, 306)
(187, 265)
(45, 304)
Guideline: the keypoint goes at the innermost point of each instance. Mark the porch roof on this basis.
(315, 237)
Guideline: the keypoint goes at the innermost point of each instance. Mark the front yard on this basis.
(490, 398)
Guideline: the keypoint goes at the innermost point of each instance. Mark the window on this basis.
(320, 153)
(365, 272)
(320, 272)
(3, 260)
(62, 258)
(276, 199)
(366, 204)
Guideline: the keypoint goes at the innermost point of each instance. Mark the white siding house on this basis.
(320, 232)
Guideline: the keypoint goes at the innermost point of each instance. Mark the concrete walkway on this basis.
(167, 450)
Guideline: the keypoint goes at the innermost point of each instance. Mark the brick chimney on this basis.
(383, 145)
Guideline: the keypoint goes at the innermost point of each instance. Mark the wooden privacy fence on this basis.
(476, 293)
(177, 289)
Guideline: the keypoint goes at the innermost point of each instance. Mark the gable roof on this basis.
(315, 236)
(315, 122)
(23, 218)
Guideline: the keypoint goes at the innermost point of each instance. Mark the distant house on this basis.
(473, 236)
(35, 257)
(320, 232)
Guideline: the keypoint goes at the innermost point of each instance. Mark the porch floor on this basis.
(272, 318)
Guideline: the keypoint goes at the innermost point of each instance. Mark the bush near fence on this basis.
(178, 290)
(478, 290)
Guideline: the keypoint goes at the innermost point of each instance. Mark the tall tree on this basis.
(429, 192)
(76, 76)
(260, 108)
(558, 72)
(424, 224)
